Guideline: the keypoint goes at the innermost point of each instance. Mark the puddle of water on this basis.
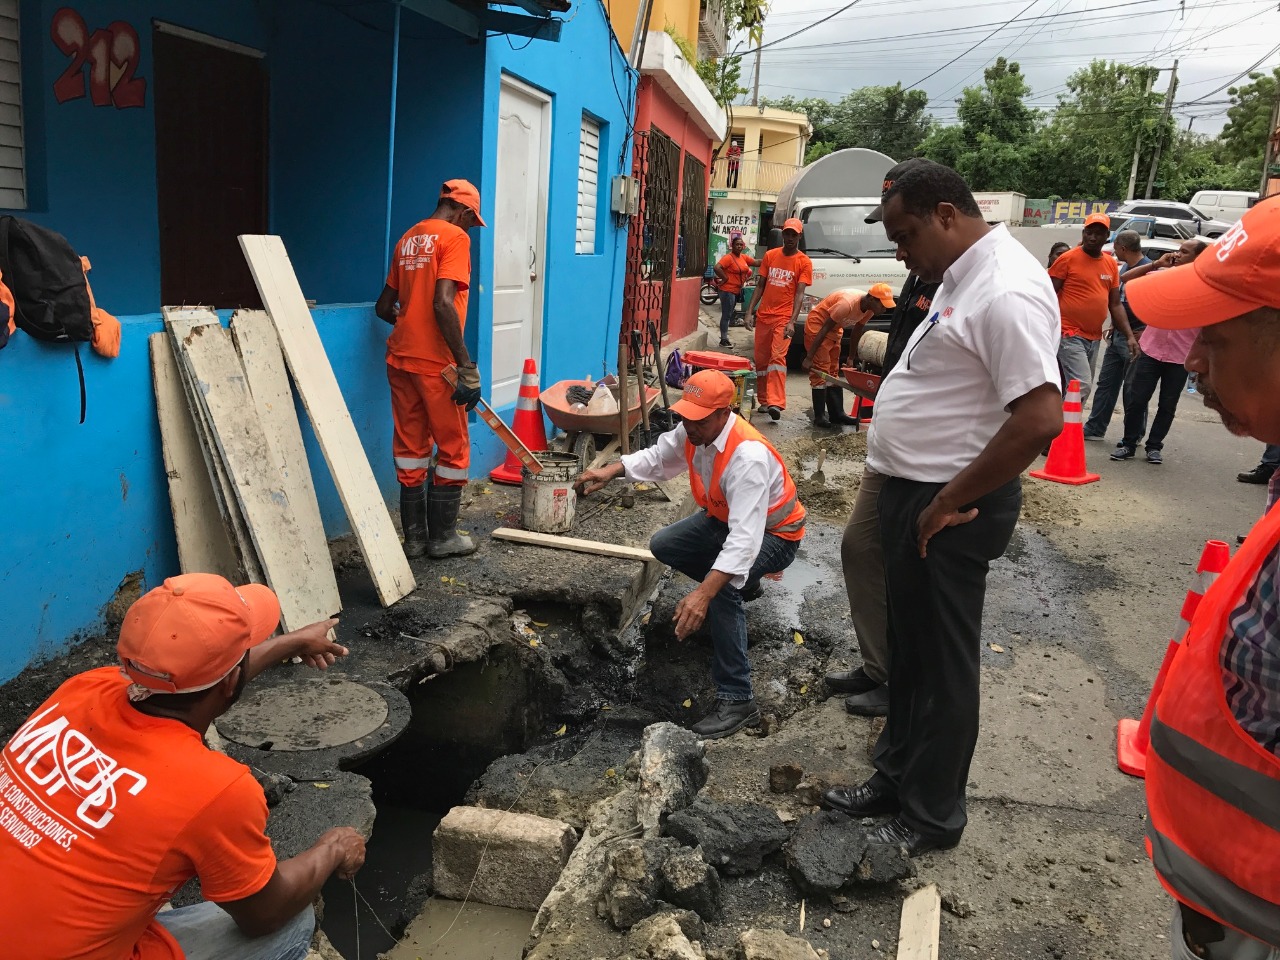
(786, 596)
(478, 932)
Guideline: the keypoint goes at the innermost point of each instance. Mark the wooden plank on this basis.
(318, 388)
(259, 349)
(180, 321)
(533, 539)
(259, 487)
(204, 543)
(920, 925)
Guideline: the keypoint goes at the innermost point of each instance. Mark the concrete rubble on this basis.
(828, 850)
(776, 945)
(734, 837)
(672, 769)
(506, 859)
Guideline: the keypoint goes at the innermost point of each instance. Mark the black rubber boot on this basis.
(835, 409)
(820, 407)
(443, 539)
(413, 519)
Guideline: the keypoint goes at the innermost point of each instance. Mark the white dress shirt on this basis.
(992, 337)
(752, 480)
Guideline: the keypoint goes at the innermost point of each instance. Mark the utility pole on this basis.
(1137, 142)
(755, 87)
(1164, 120)
(1269, 155)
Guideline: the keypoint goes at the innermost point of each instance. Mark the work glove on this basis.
(467, 392)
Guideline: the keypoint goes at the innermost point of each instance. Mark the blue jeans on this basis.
(727, 302)
(1075, 360)
(206, 932)
(1116, 373)
(692, 546)
(1271, 455)
(1147, 375)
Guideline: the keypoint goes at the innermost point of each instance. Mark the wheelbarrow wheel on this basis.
(584, 448)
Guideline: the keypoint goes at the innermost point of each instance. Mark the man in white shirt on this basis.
(751, 523)
(972, 402)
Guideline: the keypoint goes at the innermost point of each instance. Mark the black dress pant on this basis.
(935, 638)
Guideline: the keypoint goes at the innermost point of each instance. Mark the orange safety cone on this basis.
(862, 408)
(528, 426)
(1133, 737)
(1065, 463)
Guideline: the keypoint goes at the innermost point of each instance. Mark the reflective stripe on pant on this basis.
(771, 364)
(426, 420)
(826, 359)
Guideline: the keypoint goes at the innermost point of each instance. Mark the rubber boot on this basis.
(443, 539)
(835, 409)
(413, 519)
(820, 407)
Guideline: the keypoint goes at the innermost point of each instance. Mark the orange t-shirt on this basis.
(104, 813)
(781, 276)
(841, 306)
(1085, 298)
(432, 250)
(736, 271)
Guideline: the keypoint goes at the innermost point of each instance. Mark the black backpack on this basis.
(47, 281)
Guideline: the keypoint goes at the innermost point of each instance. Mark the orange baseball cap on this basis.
(465, 193)
(1237, 274)
(793, 223)
(1099, 218)
(191, 631)
(704, 393)
(884, 293)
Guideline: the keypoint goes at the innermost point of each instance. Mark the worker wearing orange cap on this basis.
(110, 800)
(785, 272)
(1213, 769)
(835, 313)
(425, 299)
(751, 523)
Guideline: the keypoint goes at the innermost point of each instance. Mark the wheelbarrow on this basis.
(586, 433)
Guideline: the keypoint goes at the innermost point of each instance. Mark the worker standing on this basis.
(823, 330)
(733, 271)
(785, 272)
(429, 279)
(751, 524)
(1213, 770)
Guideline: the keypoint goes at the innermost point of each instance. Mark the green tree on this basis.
(1245, 136)
(889, 119)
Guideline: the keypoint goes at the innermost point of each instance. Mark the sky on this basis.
(880, 42)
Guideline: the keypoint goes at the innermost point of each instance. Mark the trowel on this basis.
(818, 476)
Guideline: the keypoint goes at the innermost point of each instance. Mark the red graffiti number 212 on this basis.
(111, 54)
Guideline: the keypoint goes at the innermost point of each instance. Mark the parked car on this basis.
(1202, 223)
(1228, 205)
(1160, 235)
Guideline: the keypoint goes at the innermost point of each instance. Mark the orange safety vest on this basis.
(786, 517)
(1213, 792)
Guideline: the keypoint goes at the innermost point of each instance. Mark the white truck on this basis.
(832, 197)
(1007, 208)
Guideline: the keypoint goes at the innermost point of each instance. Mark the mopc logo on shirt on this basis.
(47, 755)
(416, 251)
(781, 278)
(1235, 237)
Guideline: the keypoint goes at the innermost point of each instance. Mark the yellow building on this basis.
(765, 146)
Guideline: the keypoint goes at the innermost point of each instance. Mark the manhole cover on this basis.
(315, 713)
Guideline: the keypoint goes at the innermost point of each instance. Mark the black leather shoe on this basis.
(872, 703)
(728, 717)
(895, 833)
(775, 412)
(863, 801)
(851, 681)
(1259, 474)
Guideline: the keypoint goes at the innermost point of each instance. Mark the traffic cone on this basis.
(1133, 737)
(527, 425)
(1065, 463)
(862, 408)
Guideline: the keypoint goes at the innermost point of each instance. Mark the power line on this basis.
(1265, 56)
(816, 23)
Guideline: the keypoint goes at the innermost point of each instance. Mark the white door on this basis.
(519, 235)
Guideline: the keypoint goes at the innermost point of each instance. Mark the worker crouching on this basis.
(425, 299)
(823, 330)
(751, 524)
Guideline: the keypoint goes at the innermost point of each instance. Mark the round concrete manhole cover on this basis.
(315, 713)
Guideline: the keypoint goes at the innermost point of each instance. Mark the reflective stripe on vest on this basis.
(1213, 791)
(785, 518)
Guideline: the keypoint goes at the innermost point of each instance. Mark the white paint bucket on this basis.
(547, 499)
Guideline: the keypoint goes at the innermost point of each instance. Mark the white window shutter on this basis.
(588, 185)
(13, 177)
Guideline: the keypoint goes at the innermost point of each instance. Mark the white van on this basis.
(1228, 205)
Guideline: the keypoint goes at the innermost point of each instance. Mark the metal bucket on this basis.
(547, 499)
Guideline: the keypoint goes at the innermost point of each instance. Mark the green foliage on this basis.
(818, 150)
(723, 75)
(1248, 120)
(889, 119)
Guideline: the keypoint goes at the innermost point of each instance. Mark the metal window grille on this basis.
(693, 219)
(13, 176)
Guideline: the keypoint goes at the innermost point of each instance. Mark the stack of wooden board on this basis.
(239, 482)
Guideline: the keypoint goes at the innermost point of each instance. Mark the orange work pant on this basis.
(427, 420)
(771, 363)
(826, 359)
